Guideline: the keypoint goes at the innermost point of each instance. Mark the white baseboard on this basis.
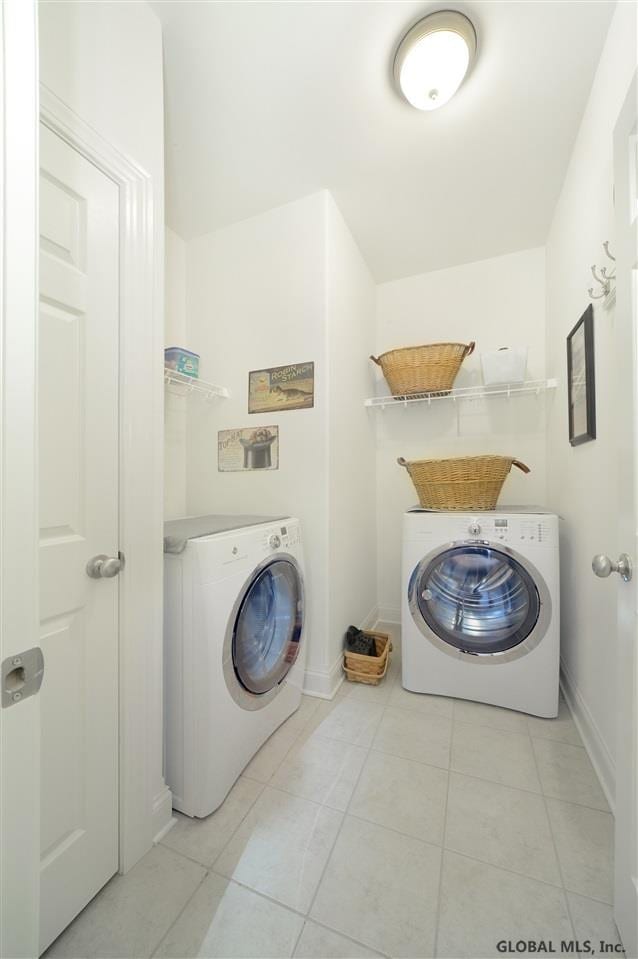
(371, 619)
(162, 814)
(324, 684)
(167, 828)
(389, 614)
(597, 750)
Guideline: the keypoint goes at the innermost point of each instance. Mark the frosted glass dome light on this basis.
(433, 58)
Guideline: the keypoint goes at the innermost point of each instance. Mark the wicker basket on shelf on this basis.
(369, 669)
(423, 369)
(465, 482)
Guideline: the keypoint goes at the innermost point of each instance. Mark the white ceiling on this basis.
(267, 102)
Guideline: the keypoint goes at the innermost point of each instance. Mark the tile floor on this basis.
(380, 824)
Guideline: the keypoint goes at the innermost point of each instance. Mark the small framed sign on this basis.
(581, 386)
(282, 388)
(244, 450)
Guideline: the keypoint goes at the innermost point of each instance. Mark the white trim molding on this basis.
(163, 819)
(389, 614)
(601, 758)
(144, 798)
(324, 684)
(371, 619)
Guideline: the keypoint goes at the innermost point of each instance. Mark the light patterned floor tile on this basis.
(403, 795)
(371, 694)
(224, 921)
(346, 719)
(593, 920)
(281, 848)
(317, 942)
(381, 889)
(585, 844)
(482, 906)
(482, 714)
(422, 702)
(133, 912)
(323, 770)
(494, 754)
(204, 839)
(414, 735)
(562, 729)
(503, 826)
(300, 719)
(566, 773)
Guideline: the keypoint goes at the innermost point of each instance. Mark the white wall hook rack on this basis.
(184, 385)
(604, 276)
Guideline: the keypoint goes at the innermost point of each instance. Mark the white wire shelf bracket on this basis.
(184, 385)
(530, 387)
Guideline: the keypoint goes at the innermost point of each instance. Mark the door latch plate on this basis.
(21, 676)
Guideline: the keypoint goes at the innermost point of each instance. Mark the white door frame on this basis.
(626, 805)
(145, 801)
(19, 630)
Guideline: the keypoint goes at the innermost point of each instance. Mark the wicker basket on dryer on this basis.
(461, 483)
(423, 369)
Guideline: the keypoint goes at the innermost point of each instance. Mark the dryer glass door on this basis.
(268, 627)
(477, 599)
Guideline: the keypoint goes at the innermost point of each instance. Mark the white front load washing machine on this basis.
(480, 609)
(234, 647)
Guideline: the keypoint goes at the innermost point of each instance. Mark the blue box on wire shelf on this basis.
(182, 361)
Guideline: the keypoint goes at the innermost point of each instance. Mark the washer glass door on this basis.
(268, 627)
(477, 599)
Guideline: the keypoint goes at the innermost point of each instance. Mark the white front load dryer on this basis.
(480, 609)
(234, 645)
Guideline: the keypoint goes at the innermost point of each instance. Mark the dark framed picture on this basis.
(581, 384)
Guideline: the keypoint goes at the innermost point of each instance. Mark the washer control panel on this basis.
(532, 529)
(282, 538)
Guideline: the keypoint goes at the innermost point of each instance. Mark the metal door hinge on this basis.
(22, 676)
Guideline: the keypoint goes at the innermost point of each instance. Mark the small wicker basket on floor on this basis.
(369, 669)
(423, 369)
(465, 482)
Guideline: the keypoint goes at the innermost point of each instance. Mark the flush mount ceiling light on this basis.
(433, 59)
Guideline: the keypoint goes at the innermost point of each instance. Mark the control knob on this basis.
(275, 541)
(474, 529)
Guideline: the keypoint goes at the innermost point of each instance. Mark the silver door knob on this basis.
(105, 567)
(603, 566)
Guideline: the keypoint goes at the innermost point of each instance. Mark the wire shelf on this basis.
(184, 385)
(464, 393)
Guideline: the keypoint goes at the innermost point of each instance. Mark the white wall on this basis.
(256, 298)
(290, 286)
(497, 302)
(352, 485)
(581, 480)
(104, 61)
(176, 406)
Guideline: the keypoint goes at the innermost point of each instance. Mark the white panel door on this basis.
(19, 723)
(625, 327)
(78, 470)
